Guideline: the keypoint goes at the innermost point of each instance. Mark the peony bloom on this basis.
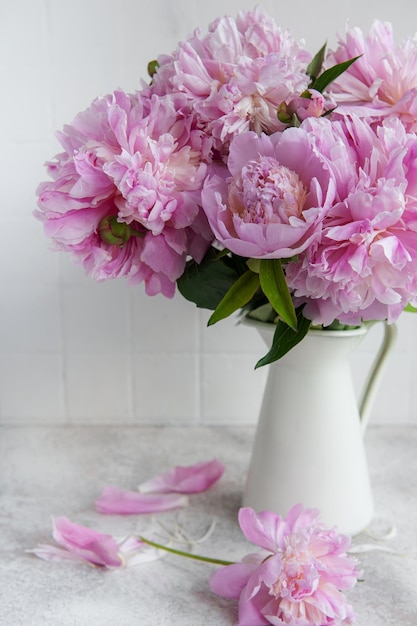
(365, 265)
(273, 202)
(125, 195)
(159, 172)
(298, 580)
(383, 81)
(82, 544)
(235, 76)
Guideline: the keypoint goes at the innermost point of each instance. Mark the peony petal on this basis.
(115, 501)
(78, 542)
(262, 529)
(89, 545)
(53, 553)
(190, 479)
(229, 581)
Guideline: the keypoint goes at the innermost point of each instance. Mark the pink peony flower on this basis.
(125, 195)
(273, 203)
(236, 75)
(383, 81)
(160, 174)
(186, 479)
(82, 544)
(365, 265)
(298, 580)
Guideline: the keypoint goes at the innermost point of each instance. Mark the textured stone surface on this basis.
(61, 471)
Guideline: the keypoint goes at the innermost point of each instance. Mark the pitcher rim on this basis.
(351, 332)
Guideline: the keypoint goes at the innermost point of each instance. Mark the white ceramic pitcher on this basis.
(308, 445)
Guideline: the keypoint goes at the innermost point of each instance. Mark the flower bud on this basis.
(283, 114)
(113, 232)
(152, 67)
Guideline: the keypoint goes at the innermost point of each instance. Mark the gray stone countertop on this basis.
(47, 471)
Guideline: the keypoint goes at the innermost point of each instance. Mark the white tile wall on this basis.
(74, 351)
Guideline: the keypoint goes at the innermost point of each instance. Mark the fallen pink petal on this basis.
(48, 552)
(79, 543)
(115, 501)
(82, 544)
(89, 545)
(186, 479)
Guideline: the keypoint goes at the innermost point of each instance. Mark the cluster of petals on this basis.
(300, 577)
(269, 201)
(365, 265)
(164, 492)
(236, 75)
(383, 81)
(137, 160)
(82, 544)
(161, 493)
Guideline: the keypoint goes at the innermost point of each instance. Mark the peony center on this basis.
(266, 192)
(298, 577)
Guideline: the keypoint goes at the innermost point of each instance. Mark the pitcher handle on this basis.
(377, 370)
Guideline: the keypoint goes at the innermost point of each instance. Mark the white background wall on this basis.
(74, 351)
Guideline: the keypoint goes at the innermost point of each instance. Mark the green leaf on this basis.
(410, 308)
(314, 67)
(320, 83)
(263, 313)
(254, 265)
(238, 295)
(285, 339)
(207, 282)
(275, 288)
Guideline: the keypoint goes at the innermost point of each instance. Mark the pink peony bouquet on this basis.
(254, 177)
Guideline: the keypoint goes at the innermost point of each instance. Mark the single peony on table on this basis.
(254, 176)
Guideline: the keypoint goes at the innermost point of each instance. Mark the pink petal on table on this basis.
(88, 544)
(53, 553)
(80, 545)
(190, 479)
(119, 502)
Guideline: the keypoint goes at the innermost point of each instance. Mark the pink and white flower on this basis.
(136, 162)
(383, 81)
(365, 265)
(160, 172)
(236, 75)
(300, 577)
(272, 197)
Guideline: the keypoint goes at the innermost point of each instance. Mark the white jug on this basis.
(308, 445)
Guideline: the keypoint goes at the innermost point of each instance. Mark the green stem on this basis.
(188, 555)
